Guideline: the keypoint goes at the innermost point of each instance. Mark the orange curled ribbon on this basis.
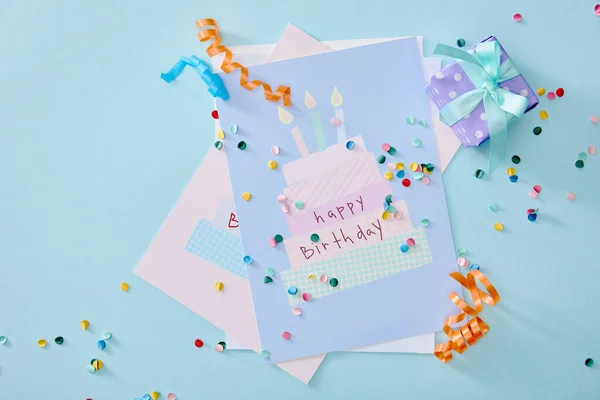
(473, 330)
(212, 32)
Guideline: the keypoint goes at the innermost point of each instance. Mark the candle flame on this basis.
(309, 101)
(336, 97)
(284, 116)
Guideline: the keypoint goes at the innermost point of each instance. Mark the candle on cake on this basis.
(338, 120)
(310, 103)
(286, 118)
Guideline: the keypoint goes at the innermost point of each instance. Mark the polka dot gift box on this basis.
(454, 81)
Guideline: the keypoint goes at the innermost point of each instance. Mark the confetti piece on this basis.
(532, 217)
(85, 324)
(474, 266)
(275, 150)
(242, 145)
(479, 174)
(404, 247)
(579, 164)
(425, 180)
(392, 151)
(533, 194)
(589, 362)
(460, 42)
(425, 222)
(381, 159)
(124, 286)
(511, 171)
(218, 145)
(333, 282)
(592, 150)
(385, 215)
(405, 182)
(423, 123)
(90, 369)
(385, 147)
(513, 178)
(297, 311)
(246, 196)
(98, 364)
(106, 335)
(286, 335)
(59, 340)
(397, 215)
(146, 396)
(171, 396)
(410, 242)
(335, 121)
(493, 207)
(247, 260)
(541, 91)
(306, 296)
(537, 188)
(220, 347)
(311, 276)
(349, 144)
(498, 226)
(323, 278)
(270, 272)
(388, 176)
(570, 196)
(278, 238)
(550, 96)
(391, 166)
(154, 395)
(101, 344)
(219, 286)
(272, 164)
(582, 156)
(292, 290)
(198, 343)
(462, 262)
(42, 343)
(597, 9)
(3, 339)
(418, 175)
(285, 208)
(516, 159)
(560, 92)
(517, 17)
(267, 280)
(214, 114)
(544, 114)
(282, 198)
(594, 119)
(461, 252)
(221, 134)
(416, 142)
(537, 130)
(410, 120)
(265, 354)
(314, 238)
(233, 128)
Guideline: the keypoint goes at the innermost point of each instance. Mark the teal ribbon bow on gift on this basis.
(483, 68)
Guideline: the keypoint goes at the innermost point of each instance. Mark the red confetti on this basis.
(560, 92)
(214, 114)
(517, 17)
(198, 343)
(406, 182)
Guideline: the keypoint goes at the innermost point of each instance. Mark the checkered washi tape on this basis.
(359, 266)
(219, 247)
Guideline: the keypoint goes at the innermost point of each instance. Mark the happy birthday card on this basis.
(340, 201)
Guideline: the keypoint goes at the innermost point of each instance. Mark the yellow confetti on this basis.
(272, 164)
(311, 276)
(98, 364)
(400, 166)
(511, 171)
(219, 286)
(124, 286)
(498, 226)
(42, 343)
(155, 395)
(413, 166)
(544, 114)
(541, 91)
(388, 175)
(246, 196)
(85, 324)
(385, 215)
(221, 134)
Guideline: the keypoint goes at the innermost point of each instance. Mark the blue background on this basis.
(95, 149)
(360, 315)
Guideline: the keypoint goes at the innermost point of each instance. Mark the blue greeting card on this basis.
(340, 201)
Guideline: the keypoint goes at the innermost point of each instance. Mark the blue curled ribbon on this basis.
(485, 71)
(215, 84)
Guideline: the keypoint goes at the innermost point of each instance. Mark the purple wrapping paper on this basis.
(452, 82)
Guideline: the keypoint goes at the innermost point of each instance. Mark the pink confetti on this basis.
(594, 119)
(286, 335)
(282, 198)
(425, 180)
(462, 262)
(550, 96)
(410, 242)
(306, 296)
(171, 396)
(297, 311)
(275, 150)
(537, 188)
(219, 348)
(397, 215)
(597, 9)
(335, 121)
(285, 208)
(530, 211)
(571, 196)
(533, 194)
(272, 242)
(517, 17)
(386, 147)
(391, 166)
(592, 150)
(324, 279)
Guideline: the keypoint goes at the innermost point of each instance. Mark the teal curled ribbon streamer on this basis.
(484, 69)
(214, 83)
